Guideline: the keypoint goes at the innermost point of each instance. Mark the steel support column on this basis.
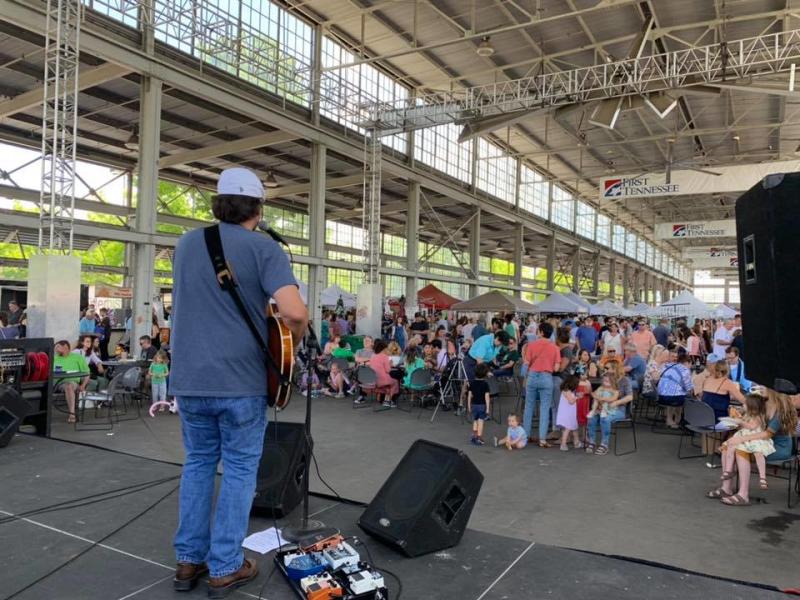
(576, 270)
(550, 265)
(519, 252)
(316, 231)
(146, 202)
(612, 278)
(475, 251)
(412, 243)
(625, 284)
(596, 275)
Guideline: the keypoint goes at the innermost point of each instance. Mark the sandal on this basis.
(762, 484)
(590, 448)
(601, 451)
(543, 444)
(726, 475)
(71, 418)
(735, 500)
(717, 494)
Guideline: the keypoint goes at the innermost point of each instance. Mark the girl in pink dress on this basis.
(567, 417)
(382, 366)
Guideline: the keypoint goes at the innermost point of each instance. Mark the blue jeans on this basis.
(615, 414)
(230, 429)
(538, 391)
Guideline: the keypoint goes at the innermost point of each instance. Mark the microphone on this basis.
(263, 226)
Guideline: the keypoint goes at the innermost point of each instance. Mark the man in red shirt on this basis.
(542, 358)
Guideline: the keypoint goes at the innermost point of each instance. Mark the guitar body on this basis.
(281, 348)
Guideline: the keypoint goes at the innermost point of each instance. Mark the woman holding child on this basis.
(610, 400)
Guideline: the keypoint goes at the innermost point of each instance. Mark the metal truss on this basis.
(59, 125)
(372, 207)
(725, 62)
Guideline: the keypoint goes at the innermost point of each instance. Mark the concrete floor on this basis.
(648, 505)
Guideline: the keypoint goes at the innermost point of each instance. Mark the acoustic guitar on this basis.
(281, 348)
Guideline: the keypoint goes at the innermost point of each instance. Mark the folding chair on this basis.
(699, 419)
(368, 383)
(494, 394)
(616, 426)
(99, 400)
(792, 464)
(421, 382)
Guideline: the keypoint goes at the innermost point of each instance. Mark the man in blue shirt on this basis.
(480, 329)
(634, 366)
(219, 376)
(736, 366)
(483, 350)
(586, 336)
(662, 332)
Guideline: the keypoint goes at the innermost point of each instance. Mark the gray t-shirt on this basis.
(213, 351)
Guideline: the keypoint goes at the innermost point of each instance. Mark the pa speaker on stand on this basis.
(425, 504)
(768, 239)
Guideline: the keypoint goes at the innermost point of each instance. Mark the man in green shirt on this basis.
(66, 362)
(506, 361)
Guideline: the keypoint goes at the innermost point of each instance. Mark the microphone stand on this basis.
(307, 527)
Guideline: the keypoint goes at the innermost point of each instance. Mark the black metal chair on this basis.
(621, 424)
(420, 383)
(699, 419)
(792, 465)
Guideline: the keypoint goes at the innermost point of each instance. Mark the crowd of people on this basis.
(579, 377)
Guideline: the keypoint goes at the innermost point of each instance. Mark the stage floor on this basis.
(136, 561)
(647, 505)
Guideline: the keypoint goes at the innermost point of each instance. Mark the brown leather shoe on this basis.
(187, 575)
(220, 587)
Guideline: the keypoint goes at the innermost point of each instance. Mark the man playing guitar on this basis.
(219, 377)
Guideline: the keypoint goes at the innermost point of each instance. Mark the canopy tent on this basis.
(684, 304)
(330, 296)
(557, 303)
(641, 309)
(723, 311)
(432, 297)
(579, 300)
(495, 301)
(607, 308)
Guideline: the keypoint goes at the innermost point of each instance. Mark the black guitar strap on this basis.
(227, 281)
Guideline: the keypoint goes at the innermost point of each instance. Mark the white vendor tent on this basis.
(579, 300)
(684, 304)
(641, 309)
(330, 296)
(723, 311)
(607, 308)
(559, 304)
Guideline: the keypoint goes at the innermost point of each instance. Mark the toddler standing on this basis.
(567, 417)
(479, 403)
(158, 373)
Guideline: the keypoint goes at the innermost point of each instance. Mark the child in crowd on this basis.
(567, 417)
(315, 386)
(479, 403)
(337, 382)
(158, 372)
(119, 352)
(584, 394)
(516, 438)
(753, 421)
(332, 345)
(412, 363)
(603, 396)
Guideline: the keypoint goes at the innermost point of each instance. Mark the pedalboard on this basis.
(326, 568)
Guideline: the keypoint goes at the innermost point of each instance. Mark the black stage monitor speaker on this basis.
(283, 463)
(13, 410)
(768, 236)
(425, 504)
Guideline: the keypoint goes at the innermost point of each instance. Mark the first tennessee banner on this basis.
(712, 180)
(695, 229)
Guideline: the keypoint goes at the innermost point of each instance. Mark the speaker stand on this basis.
(307, 527)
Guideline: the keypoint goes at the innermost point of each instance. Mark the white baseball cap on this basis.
(238, 181)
